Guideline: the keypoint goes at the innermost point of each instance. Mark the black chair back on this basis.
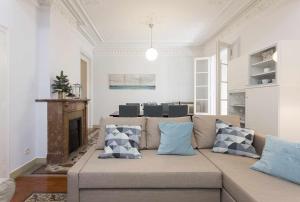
(128, 111)
(178, 110)
(135, 104)
(153, 110)
(165, 107)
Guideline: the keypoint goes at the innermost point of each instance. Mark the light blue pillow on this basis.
(176, 138)
(281, 159)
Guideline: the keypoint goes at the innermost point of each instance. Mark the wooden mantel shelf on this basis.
(62, 100)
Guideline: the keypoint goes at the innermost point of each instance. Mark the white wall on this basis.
(60, 48)
(22, 84)
(42, 41)
(174, 78)
(264, 24)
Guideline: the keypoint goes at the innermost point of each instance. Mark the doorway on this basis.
(223, 54)
(86, 84)
(4, 104)
(84, 78)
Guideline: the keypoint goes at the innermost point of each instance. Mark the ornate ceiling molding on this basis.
(255, 9)
(76, 15)
(139, 50)
(84, 23)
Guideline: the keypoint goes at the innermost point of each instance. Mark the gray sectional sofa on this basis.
(206, 176)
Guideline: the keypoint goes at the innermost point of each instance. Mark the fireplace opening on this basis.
(74, 134)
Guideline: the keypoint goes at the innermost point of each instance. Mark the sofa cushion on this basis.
(153, 131)
(137, 121)
(205, 128)
(248, 185)
(152, 171)
(234, 140)
(280, 158)
(122, 141)
(176, 138)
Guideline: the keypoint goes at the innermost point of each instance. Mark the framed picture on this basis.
(132, 81)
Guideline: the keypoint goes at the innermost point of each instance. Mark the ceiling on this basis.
(175, 21)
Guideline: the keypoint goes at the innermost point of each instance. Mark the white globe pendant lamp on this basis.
(151, 54)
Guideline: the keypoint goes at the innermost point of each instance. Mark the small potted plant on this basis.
(61, 86)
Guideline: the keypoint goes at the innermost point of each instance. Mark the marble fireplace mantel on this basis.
(59, 114)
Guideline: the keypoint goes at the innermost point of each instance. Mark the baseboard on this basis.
(27, 166)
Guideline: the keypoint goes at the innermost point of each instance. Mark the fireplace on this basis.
(67, 127)
(75, 131)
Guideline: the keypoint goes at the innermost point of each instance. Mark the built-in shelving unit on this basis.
(262, 67)
(237, 104)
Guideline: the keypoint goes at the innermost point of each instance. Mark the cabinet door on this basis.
(262, 109)
(238, 73)
(202, 86)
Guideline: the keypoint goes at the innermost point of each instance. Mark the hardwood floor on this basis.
(26, 185)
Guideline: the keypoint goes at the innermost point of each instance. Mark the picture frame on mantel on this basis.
(132, 81)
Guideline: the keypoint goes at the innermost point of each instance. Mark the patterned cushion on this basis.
(122, 141)
(234, 140)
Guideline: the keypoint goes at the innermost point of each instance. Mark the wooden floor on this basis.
(26, 185)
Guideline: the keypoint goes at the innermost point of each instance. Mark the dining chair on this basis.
(178, 110)
(165, 108)
(128, 111)
(135, 104)
(153, 110)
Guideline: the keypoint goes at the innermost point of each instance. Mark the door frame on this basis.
(219, 46)
(89, 62)
(4, 135)
(208, 87)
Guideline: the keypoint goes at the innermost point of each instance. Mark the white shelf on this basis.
(264, 74)
(266, 63)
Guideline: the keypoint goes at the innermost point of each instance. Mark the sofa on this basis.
(205, 176)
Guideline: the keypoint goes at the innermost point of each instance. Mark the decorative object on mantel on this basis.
(132, 81)
(151, 54)
(76, 90)
(61, 86)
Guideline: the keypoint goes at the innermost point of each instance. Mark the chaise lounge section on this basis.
(206, 176)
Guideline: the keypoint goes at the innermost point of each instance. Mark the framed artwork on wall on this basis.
(132, 81)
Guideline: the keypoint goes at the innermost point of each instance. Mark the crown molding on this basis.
(84, 24)
(139, 50)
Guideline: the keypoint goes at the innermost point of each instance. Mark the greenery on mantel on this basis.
(61, 85)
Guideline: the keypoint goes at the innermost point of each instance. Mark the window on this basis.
(223, 81)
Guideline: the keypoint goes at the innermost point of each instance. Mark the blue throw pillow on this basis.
(281, 159)
(176, 138)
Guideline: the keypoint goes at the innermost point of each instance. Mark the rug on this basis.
(45, 197)
(62, 169)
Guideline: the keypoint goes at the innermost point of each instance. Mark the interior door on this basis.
(84, 78)
(202, 87)
(223, 55)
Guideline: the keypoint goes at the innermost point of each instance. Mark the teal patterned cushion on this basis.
(234, 140)
(122, 141)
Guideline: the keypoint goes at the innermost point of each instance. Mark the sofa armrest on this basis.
(73, 175)
(259, 142)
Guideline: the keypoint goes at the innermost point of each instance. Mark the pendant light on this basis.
(151, 54)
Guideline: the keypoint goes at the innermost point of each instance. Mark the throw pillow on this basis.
(122, 141)
(176, 138)
(281, 159)
(234, 140)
